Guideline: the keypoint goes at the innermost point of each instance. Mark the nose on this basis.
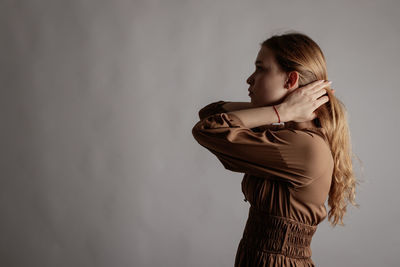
(250, 79)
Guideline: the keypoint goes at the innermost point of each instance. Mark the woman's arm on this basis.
(223, 106)
(232, 106)
(258, 116)
(299, 105)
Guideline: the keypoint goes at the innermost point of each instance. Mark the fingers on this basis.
(315, 84)
(319, 93)
(314, 87)
(319, 89)
(310, 86)
(320, 101)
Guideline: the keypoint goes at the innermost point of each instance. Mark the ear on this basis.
(292, 80)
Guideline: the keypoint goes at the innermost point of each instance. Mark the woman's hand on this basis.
(300, 104)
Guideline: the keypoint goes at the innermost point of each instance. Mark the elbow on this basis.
(196, 133)
(202, 138)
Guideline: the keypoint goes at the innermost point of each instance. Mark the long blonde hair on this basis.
(296, 51)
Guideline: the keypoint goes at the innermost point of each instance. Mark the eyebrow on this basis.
(258, 61)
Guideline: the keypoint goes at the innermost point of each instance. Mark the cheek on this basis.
(267, 85)
(269, 89)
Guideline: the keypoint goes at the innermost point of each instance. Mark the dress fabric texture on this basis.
(287, 177)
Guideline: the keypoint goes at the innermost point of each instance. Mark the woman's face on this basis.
(267, 83)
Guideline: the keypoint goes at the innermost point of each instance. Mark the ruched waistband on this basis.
(275, 234)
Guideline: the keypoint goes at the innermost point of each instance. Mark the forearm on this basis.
(258, 116)
(233, 106)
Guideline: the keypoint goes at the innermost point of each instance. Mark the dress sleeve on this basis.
(293, 156)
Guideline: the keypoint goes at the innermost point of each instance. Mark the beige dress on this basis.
(287, 177)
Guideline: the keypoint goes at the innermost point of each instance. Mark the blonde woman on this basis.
(290, 169)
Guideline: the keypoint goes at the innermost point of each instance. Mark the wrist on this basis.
(283, 112)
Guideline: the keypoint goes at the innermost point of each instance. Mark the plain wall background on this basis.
(98, 99)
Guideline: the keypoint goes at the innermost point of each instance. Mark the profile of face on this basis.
(268, 83)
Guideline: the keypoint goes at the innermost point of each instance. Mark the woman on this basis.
(291, 169)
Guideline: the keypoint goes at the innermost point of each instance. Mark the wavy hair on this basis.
(295, 51)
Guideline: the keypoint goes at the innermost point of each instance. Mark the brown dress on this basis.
(287, 177)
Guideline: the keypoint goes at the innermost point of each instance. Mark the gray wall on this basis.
(98, 98)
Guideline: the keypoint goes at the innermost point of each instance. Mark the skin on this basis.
(269, 85)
